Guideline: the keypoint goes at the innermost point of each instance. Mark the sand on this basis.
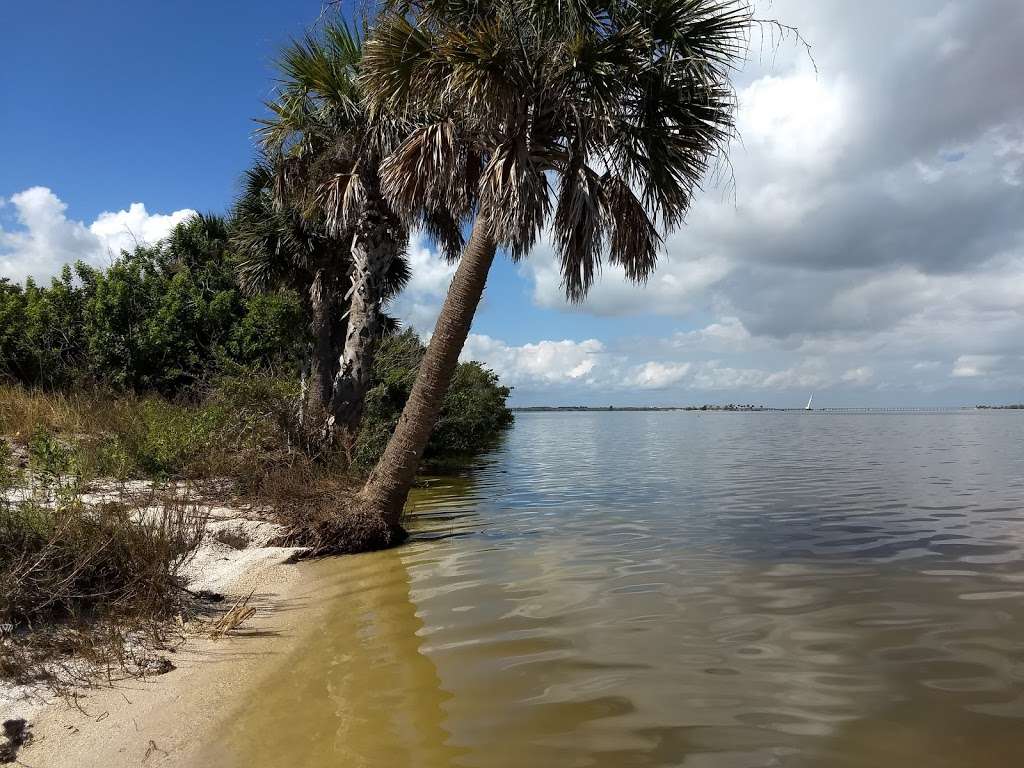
(162, 720)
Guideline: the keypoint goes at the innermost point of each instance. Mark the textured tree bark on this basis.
(373, 250)
(316, 407)
(388, 485)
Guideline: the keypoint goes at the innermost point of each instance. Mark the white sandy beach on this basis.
(165, 719)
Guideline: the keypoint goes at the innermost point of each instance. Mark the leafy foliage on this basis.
(473, 415)
(161, 318)
(599, 118)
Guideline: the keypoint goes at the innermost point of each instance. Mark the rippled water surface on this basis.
(679, 589)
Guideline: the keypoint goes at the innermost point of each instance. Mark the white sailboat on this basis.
(809, 399)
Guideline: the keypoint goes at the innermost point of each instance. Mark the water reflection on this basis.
(360, 693)
(658, 590)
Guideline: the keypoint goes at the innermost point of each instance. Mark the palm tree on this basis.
(276, 248)
(596, 118)
(328, 149)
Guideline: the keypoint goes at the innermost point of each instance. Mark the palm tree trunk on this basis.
(388, 485)
(315, 408)
(372, 253)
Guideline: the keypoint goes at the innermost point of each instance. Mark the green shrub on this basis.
(49, 457)
(9, 474)
(162, 318)
(166, 438)
(472, 417)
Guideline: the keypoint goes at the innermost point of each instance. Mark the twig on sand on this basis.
(240, 612)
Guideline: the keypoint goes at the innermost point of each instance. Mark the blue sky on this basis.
(155, 102)
(868, 249)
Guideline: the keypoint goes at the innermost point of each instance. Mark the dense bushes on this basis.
(161, 318)
(171, 319)
(473, 414)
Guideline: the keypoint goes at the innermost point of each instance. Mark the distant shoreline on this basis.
(756, 408)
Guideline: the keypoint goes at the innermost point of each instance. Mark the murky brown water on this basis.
(726, 590)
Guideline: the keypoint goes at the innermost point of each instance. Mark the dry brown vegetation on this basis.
(88, 582)
(239, 430)
(90, 566)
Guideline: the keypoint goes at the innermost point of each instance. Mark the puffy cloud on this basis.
(729, 333)
(122, 230)
(799, 120)
(45, 238)
(543, 363)
(419, 304)
(970, 366)
(861, 375)
(656, 375)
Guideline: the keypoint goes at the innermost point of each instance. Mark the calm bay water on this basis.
(678, 589)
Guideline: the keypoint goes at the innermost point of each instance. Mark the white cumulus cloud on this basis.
(44, 238)
(543, 363)
(655, 375)
(419, 304)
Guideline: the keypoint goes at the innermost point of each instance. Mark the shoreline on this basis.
(164, 719)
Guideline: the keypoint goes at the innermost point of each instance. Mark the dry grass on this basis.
(238, 430)
(93, 583)
(23, 411)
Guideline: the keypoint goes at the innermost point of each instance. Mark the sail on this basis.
(809, 402)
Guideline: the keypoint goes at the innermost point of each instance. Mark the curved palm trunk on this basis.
(373, 250)
(389, 483)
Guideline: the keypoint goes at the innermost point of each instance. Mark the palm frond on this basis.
(444, 229)
(514, 197)
(427, 172)
(578, 230)
(396, 62)
(633, 238)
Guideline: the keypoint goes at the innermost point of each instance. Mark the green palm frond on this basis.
(639, 90)
(633, 239)
(397, 62)
(578, 230)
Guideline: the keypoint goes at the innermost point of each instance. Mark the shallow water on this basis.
(679, 589)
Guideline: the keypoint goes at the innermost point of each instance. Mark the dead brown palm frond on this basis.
(427, 172)
(514, 196)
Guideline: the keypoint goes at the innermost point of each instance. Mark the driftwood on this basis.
(240, 612)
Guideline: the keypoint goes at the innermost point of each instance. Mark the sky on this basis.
(865, 241)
